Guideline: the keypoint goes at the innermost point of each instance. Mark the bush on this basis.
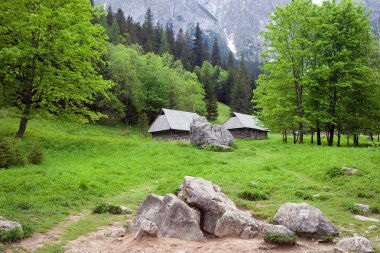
(335, 172)
(36, 156)
(280, 239)
(107, 208)
(253, 196)
(10, 153)
(13, 235)
(303, 195)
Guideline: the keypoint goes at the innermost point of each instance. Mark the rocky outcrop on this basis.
(168, 216)
(203, 133)
(357, 244)
(220, 216)
(304, 219)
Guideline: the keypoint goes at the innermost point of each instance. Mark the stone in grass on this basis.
(373, 227)
(305, 220)
(350, 171)
(363, 208)
(278, 234)
(364, 218)
(10, 231)
(357, 244)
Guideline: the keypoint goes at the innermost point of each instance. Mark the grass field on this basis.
(87, 164)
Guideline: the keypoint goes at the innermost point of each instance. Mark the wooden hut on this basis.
(246, 126)
(172, 125)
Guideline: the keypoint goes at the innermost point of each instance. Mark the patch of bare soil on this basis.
(51, 237)
(98, 242)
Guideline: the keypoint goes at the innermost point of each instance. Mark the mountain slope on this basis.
(237, 23)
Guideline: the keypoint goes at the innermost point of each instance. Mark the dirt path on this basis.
(98, 242)
(53, 236)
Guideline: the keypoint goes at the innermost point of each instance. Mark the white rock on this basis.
(357, 244)
(363, 208)
(364, 218)
(373, 227)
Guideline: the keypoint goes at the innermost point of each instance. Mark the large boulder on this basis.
(236, 223)
(304, 219)
(170, 215)
(220, 215)
(203, 133)
(357, 244)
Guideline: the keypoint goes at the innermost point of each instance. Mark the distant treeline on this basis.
(229, 83)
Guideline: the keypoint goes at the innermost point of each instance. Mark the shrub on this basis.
(10, 153)
(253, 196)
(13, 235)
(375, 209)
(36, 156)
(280, 239)
(107, 208)
(335, 172)
(303, 195)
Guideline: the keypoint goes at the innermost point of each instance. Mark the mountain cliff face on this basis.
(236, 22)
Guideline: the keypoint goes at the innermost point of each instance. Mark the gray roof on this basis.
(172, 119)
(244, 121)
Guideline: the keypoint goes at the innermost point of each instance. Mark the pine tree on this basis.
(164, 45)
(147, 36)
(231, 60)
(110, 16)
(132, 30)
(198, 47)
(241, 92)
(205, 52)
(122, 22)
(170, 37)
(215, 58)
(206, 75)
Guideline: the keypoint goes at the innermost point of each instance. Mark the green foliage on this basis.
(145, 83)
(11, 236)
(253, 195)
(335, 172)
(107, 208)
(320, 70)
(280, 239)
(48, 58)
(208, 76)
(11, 153)
(303, 195)
(36, 155)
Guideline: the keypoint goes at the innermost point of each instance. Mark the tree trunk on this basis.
(300, 132)
(295, 137)
(23, 121)
(371, 136)
(284, 136)
(339, 138)
(331, 136)
(378, 137)
(27, 100)
(312, 137)
(319, 141)
(356, 140)
(348, 139)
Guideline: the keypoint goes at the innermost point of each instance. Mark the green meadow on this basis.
(85, 165)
